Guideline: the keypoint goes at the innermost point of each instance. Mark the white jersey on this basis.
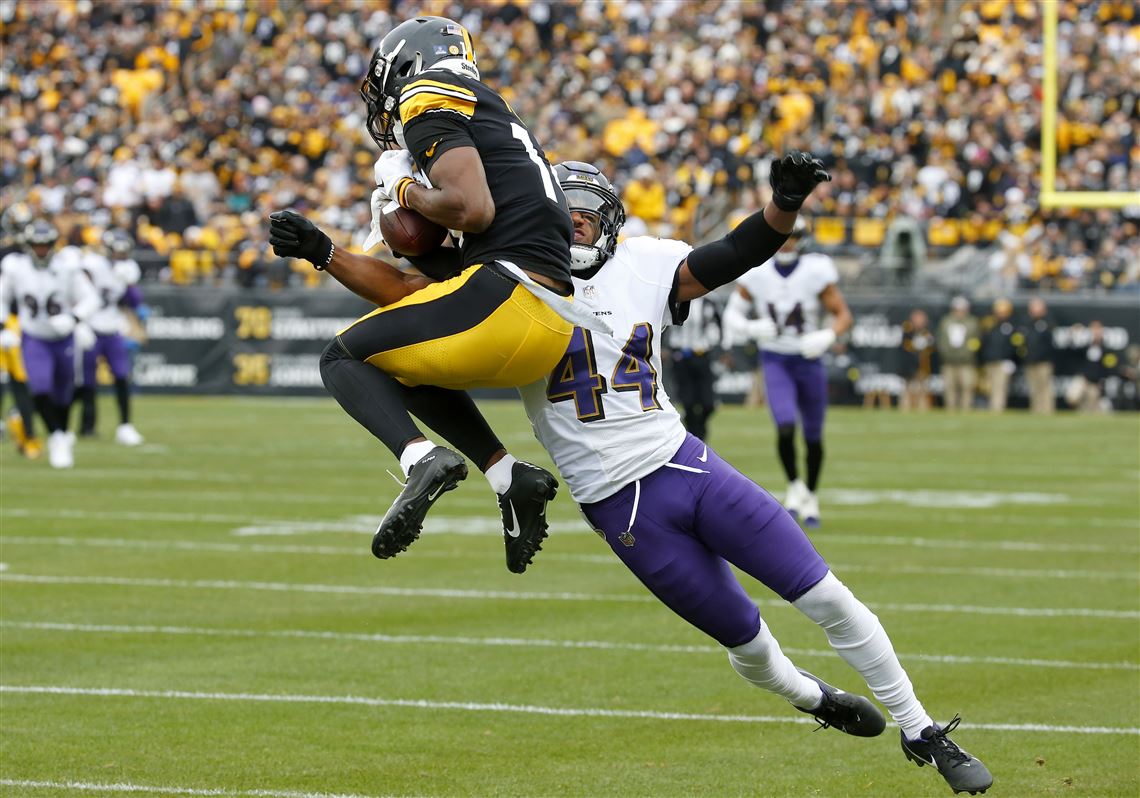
(59, 287)
(110, 285)
(790, 299)
(603, 414)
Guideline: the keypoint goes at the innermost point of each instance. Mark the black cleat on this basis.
(437, 472)
(963, 772)
(524, 513)
(851, 714)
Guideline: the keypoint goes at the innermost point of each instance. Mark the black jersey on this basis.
(532, 228)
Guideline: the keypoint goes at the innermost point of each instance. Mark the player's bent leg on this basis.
(857, 635)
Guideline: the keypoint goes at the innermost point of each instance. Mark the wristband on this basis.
(402, 191)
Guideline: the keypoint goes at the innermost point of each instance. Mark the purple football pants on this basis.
(796, 386)
(693, 517)
(113, 348)
(50, 366)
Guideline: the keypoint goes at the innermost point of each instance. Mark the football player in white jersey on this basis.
(55, 298)
(669, 507)
(116, 281)
(789, 294)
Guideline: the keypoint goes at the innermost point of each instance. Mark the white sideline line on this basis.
(514, 642)
(86, 786)
(600, 559)
(887, 518)
(529, 709)
(513, 595)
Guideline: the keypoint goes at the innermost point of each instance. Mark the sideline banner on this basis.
(260, 342)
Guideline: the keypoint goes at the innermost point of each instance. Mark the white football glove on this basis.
(62, 324)
(814, 344)
(84, 336)
(391, 167)
(9, 339)
(380, 205)
(762, 331)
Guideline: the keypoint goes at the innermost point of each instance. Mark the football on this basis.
(410, 233)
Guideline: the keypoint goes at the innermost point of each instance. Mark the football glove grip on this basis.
(294, 236)
(814, 344)
(794, 177)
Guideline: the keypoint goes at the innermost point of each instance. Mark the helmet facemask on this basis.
(604, 207)
(382, 97)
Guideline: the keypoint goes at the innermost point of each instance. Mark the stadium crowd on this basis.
(188, 122)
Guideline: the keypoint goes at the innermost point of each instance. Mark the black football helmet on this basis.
(40, 236)
(13, 221)
(118, 242)
(588, 191)
(411, 48)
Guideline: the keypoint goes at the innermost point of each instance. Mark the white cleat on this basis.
(127, 435)
(60, 453)
(793, 502)
(809, 511)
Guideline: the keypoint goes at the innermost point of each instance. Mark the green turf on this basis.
(229, 557)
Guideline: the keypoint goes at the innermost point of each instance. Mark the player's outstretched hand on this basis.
(294, 236)
(794, 177)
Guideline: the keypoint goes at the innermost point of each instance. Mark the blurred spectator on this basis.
(958, 344)
(1086, 390)
(1038, 356)
(924, 111)
(917, 356)
(1000, 339)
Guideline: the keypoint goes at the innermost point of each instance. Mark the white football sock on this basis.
(762, 662)
(856, 634)
(499, 475)
(413, 453)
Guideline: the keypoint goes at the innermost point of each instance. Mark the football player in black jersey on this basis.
(503, 316)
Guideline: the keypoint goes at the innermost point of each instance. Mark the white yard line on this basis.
(522, 642)
(472, 706)
(511, 595)
(599, 559)
(121, 787)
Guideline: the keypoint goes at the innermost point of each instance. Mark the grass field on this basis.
(203, 617)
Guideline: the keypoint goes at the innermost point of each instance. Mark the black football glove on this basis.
(793, 178)
(294, 236)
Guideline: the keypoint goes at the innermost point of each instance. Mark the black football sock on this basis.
(455, 417)
(786, 447)
(23, 398)
(48, 412)
(85, 398)
(814, 463)
(123, 397)
(375, 399)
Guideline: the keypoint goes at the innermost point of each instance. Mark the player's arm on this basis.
(757, 238)
(833, 302)
(84, 295)
(373, 279)
(294, 236)
(460, 198)
(435, 112)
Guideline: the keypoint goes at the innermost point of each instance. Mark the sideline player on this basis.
(670, 508)
(117, 285)
(20, 421)
(55, 298)
(788, 294)
(503, 320)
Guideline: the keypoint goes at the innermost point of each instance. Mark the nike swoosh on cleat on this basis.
(435, 495)
(704, 455)
(516, 529)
